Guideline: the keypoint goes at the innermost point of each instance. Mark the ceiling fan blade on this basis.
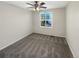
(30, 4)
(42, 3)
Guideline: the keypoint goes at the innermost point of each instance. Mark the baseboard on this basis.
(49, 34)
(71, 48)
(15, 41)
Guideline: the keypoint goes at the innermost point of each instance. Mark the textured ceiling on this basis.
(49, 4)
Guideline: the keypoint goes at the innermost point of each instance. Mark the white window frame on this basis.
(50, 20)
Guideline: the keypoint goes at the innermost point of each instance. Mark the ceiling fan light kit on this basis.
(37, 9)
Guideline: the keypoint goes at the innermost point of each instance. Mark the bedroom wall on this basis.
(15, 23)
(72, 26)
(59, 23)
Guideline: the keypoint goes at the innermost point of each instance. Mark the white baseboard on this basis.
(71, 49)
(15, 41)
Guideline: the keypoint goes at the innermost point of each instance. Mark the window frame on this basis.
(51, 19)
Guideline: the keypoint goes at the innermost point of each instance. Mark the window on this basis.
(46, 19)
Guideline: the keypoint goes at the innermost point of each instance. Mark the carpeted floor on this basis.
(38, 46)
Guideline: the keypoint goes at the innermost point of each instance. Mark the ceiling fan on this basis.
(37, 5)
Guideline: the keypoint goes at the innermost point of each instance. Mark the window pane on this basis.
(42, 23)
(42, 17)
(47, 16)
(48, 23)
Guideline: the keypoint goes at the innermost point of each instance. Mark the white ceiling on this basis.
(49, 4)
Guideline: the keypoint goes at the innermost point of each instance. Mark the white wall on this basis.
(73, 27)
(58, 28)
(15, 23)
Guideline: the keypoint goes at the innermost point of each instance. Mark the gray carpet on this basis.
(38, 46)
